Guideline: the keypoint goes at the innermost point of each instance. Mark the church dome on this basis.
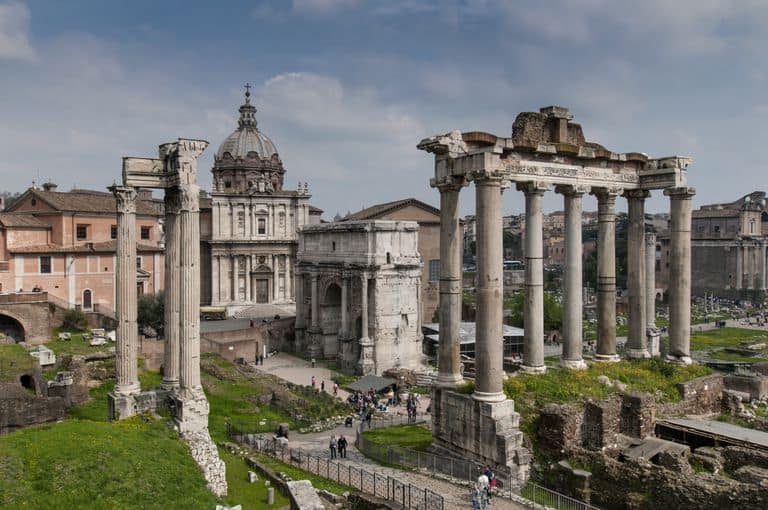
(247, 138)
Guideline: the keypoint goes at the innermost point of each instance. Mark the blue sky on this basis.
(346, 88)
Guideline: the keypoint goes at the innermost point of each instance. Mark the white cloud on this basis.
(14, 32)
(322, 5)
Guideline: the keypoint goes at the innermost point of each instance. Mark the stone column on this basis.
(637, 342)
(606, 275)
(189, 304)
(533, 353)
(315, 319)
(215, 283)
(763, 274)
(288, 279)
(301, 321)
(739, 269)
(366, 364)
(448, 356)
(126, 367)
(344, 305)
(489, 347)
(680, 275)
(171, 293)
(650, 280)
(572, 295)
(749, 265)
(236, 278)
(275, 280)
(248, 279)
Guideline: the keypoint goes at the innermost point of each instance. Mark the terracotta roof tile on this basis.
(376, 211)
(21, 220)
(105, 247)
(88, 201)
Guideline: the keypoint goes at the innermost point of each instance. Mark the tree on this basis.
(74, 320)
(553, 311)
(151, 311)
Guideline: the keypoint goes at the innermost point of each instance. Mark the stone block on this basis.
(304, 496)
(752, 474)
(638, 415)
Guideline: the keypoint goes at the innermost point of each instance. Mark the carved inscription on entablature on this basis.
(567, 174)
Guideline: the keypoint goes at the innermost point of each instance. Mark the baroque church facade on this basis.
(251, 239)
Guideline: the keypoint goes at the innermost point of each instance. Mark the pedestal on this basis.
(366, 364)
(654, 342)
(485, 432)
(120, 407)
(610, 358)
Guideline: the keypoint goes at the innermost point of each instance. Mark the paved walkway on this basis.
(300, 371)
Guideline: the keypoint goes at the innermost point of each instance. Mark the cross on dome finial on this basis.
(247, 111)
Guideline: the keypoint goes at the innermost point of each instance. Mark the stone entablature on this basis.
(358, 286)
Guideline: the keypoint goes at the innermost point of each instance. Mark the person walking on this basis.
(322, 385)
(314, 382)
(335, 389)
(342, 444)
(333, 445)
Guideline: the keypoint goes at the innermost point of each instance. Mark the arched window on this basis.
(87, 299)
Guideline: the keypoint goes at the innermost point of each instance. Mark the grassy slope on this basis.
(14, 359)
(87, 464)
(715, 340)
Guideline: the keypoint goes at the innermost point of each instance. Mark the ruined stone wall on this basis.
(396, 333)
(756, 387)
(601, 422)
(699, 396)
(16, 413)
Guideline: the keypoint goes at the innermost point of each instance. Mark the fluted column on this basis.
(572, 295)
(489, 346)
(189, 311)
(126, 367)
(366, 364)
(448, 354)
(236, 278)
(215, 283)
(606, 275)
(533, 313)
(171, 293)
(288, 279)
(343, 330)
(650, 280)
(680, 275)
(637, 341)
(750, 265)
(275, 280)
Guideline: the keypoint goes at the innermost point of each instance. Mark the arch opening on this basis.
(12, 330)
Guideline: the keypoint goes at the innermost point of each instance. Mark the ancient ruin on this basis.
(175, 171)
(358, 288)
(546, 150)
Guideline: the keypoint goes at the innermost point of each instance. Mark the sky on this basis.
(347, 88)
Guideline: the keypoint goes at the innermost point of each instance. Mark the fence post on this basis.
(374, 483)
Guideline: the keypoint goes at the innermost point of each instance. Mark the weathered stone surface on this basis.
(16, 413)
(755, 386)
(304, 496)
(752, 474)
(601, 423)
(737, 456)
(558, 427)
(638, 415)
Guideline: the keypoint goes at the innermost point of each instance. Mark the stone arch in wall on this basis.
(12, 329)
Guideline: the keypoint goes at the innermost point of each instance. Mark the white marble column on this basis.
(189, 305)
(680, 275)
(215, 282)
(315, 302)
(606, 275)
(126, 367)
(749, 255)
(637, 341)
(288, 279)
(275, 279)
(533, 353)
(448, 354)
(650, 280)
(572, 292)
(301, 321)
(235, 278)
(489, 346)
(248, 269)
(171, 293)
(739, 276)
(366, 363)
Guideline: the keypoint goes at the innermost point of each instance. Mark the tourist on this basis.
(335, 389)
(313, 381)
(322, 385)
(484, 483)
(491, 480)
(313, 362)
(342, 444)
(261, 359)
(332, 445)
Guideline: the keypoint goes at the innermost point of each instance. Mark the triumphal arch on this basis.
(547, 151)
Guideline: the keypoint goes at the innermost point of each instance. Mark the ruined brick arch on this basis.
(13, 327)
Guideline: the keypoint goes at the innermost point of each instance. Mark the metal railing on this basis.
(375, 484)
(463, 471)
(553, 499)
(392, 421)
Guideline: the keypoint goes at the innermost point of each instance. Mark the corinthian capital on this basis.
(189, 197)
(172, 201)
(125, 197)
(449, 183)
(450, 144)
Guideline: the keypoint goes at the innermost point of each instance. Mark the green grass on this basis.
(318, 482)
(723, 355)
(76, 346)
(90, 465)
(252, 496)
(14, 360)
(94, 409)
(724, 337)
(413, 437)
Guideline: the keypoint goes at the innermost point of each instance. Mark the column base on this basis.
(679, 360)
(533, 370)
(638, 354)
(128, 389)
(170, 385)
(191, 411)
(482, 396)
(574, 364)
(120, 407)
(607, 358)
(448, 381)
(365, 364)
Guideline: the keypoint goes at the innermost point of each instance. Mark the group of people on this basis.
(313, 382)
(339, 445)
(481, 494)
